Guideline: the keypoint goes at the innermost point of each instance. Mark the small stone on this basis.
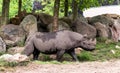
(118, 47)
(112, 51)
(14, 58)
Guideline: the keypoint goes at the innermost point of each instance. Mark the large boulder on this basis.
(108, 22)
(15, 50)
(61, 26)
(2, 46)
(113, 16)
(102, 19)
(43, 20)
(102, 30)
(66, 20)
(84, 28)
(14, 58)
(117, 29)
(82, 18)
(12, 34)
(69, 20)
(29, 24)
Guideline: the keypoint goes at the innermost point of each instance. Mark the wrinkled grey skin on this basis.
(59, 42)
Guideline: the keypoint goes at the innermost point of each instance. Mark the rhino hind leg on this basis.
(60, 54)
(73, 55)
(36, 53)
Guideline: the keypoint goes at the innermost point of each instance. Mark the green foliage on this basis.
(52, 62)
(1, 53)
(12, 64)
(87, 4)
(21, 43)
(27, 5)
(48, 9)
(7, 64)
(13, 8)
(0, 7)
(85, 56)
(46, 62)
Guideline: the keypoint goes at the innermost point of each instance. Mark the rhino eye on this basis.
(84, 43)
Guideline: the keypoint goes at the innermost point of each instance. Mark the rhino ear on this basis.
(92, 40)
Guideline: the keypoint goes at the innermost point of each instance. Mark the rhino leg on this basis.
(36, 53)
(29, 48)
(60, 54)
(73, 55)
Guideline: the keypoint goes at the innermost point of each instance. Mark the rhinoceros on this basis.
(58, 43)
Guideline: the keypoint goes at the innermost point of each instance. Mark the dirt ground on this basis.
(81, 67)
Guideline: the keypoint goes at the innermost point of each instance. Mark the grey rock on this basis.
(102, 30)
(2, 46)
(14, 58)
(61, 26)
(15, 50)
(84, 28)
(12, 33)
(102, 19)
(29, 24)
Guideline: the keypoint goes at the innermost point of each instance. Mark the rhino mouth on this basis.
(90, 49)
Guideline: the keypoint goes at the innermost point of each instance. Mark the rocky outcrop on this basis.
(61, 26)
(107, 22)
(84, 28)
(2, 45)
(102, 19)
(29, 24)
(14, 50)
(43, 20)
(102, 30)
(12, 34)
(14, 58)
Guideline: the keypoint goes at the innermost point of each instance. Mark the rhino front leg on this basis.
(29, 48)
(60, 54)
(73, 55)
(36, 53)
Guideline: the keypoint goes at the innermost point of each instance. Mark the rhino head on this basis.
(88, 44)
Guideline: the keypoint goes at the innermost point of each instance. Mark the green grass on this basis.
(52, 62)
(12, 64)
(102, 52)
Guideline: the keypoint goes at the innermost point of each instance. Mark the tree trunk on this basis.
(66, 8)
(5, 12)
(118, 2)
(19, 6)
(75, 9)
(56, 15)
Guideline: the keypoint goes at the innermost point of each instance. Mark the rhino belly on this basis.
(46, 47)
